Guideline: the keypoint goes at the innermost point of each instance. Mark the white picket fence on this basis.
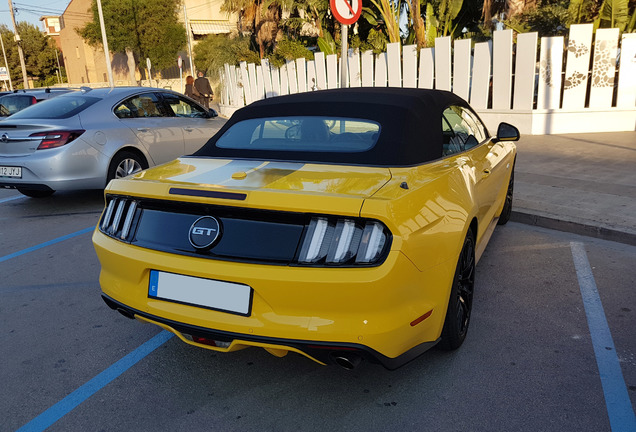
(502, 80)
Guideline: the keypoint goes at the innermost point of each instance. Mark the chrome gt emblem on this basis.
(5, 138)
(204, 232)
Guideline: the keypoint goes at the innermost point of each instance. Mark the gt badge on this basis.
(204, 232)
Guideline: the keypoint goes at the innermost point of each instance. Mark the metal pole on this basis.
(343, 55)
(6, 64)
(109, 68)
(188, 30)
(19, 42)
(57, 58)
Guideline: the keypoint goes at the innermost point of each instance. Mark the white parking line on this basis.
(619, 405)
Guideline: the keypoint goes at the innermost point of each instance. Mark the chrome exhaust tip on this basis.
(346, 361)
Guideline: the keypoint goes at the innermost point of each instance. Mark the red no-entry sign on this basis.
(346, 12)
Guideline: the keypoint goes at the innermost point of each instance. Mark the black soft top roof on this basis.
(410, 124)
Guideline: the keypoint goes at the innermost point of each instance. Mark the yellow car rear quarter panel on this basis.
(431, 217)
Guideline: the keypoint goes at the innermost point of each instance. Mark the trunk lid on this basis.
(292, 186)
(15, 139)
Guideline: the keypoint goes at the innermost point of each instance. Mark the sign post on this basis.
(180, 63)
(346, 12)
(149, 73)
(4, 53)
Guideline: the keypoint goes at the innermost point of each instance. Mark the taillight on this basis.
(344, 242)
(118, 218)
(55, 139)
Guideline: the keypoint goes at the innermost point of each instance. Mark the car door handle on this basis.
(143, 129)
(188, 129)
(486, 172)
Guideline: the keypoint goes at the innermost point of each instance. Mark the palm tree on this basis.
(517, 7)
(391, 11)
(261, 16)
(417, 21)
(492, 8)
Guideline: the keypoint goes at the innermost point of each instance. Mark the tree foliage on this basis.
(148, 28)
(214, 51)
(551, 17)
(390, 11)
(289, 50)
(384, 21)
(260, 17)
(548, 19)
(615, 13)
(39, 54)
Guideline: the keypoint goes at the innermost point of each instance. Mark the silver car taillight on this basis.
(118, 218)
(343, 241)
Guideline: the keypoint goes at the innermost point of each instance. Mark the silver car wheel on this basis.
(127, 167)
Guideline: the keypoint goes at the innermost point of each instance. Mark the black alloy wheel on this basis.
(461, 298)
(507, 208)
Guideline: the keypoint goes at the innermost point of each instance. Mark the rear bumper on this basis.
(74, 166)
(371, 310)
(319, 351)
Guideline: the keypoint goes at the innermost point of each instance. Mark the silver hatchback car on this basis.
(83, 139)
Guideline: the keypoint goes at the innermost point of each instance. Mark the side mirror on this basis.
(212, 113)
(507, 132)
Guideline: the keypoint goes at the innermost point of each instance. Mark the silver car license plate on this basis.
(12, 172)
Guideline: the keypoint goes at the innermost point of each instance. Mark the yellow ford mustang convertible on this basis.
(342, 225)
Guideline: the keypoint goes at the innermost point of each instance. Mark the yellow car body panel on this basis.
(268, 185)
(371, 306)
(390, 308)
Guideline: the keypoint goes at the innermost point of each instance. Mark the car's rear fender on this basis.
(429, 210)
(109, 141)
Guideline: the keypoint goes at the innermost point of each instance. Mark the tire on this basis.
(504, 217)
(36, 193)
(124, 164)
(460, 302)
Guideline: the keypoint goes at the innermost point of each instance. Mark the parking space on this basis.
(528, 363)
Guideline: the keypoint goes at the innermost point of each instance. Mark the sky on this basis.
(31, 10)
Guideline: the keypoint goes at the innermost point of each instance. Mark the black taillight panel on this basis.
(248, 235)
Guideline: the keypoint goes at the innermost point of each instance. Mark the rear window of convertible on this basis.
(302, 133)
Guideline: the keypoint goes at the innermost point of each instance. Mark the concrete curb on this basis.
(574, 227)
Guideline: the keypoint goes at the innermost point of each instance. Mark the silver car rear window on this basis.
(302, 133)
(57, 108)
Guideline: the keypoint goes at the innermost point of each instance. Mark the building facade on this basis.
(87, 65)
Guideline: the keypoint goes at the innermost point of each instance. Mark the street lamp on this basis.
(109, 68)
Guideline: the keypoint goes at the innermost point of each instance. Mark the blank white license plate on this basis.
(13, 172)
(208, 293)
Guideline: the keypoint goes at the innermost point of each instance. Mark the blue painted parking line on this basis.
(619, 406)
(45, 244)
(66, 405)
(4, 200)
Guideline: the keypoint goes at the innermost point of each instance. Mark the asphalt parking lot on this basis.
(529, 362)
